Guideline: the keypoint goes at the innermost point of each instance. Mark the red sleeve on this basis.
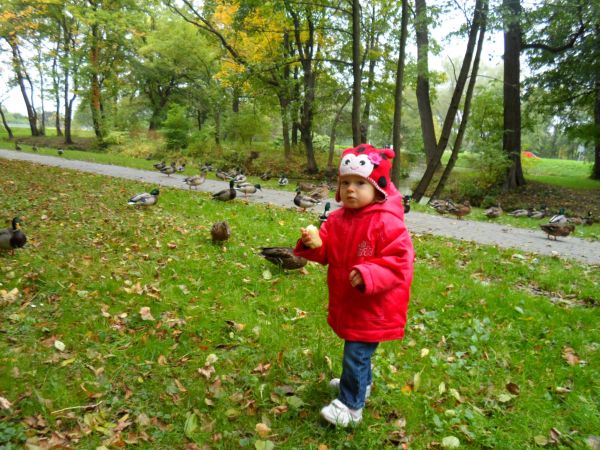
(394, 264)
(314, 254)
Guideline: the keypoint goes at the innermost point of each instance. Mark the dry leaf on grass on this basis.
(145, 313)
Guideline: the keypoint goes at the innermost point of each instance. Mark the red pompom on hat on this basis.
(373, 164)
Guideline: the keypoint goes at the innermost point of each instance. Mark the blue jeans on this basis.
(356, 373)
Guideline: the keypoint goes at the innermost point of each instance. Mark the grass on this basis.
(501, 346)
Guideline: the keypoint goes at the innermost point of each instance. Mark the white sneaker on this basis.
(339, 414)
(334, 384)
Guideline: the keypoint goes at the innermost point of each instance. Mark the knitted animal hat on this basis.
(373, 164)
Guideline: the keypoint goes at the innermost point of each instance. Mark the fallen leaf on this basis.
(59, 345)
(264, 445)
(4, 404)
(145, 313)
(191, 424)
(262, 430)
(513, 388)
(450, 442)
(569, 355)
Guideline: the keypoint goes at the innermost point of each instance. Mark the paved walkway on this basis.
(522, 240)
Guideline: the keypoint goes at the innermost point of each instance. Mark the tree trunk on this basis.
(511, 140)
(423, 97)
(398, 95)
(218, 126)
(42, 121)
(21, 75)
(95, 89)
(366, 114)
(434, 162)
(56, 88)
(6, 126)
(466, 109)
(235, 101)
(284, 107)
(596, 168)
(333, 135)
(356, 73)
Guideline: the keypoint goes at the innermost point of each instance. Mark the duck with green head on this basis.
(145, 198)
(226, 194)
(13, 237)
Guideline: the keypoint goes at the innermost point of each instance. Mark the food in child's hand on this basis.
(314, 236)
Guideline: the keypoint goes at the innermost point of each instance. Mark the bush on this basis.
(176, 128)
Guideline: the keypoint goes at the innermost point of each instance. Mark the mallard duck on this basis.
(13, 237)
(18, 147)
(266, 176)
(181, 167)
(557, 229)
(493, 211)
(441, 206)
(207, 167)
(222, 175)
(559, 218)
(460, 210)
(226, 194)
(305, 186)
(220, 231)
(543, 212)
(283, 181)
(239, 178)
(323, 217)
(145, 198)
(283, 257)
(406, 199)
(578, 220)
(321, 192)
(169, 170)
(34, 148)
(520, 212)
(159, 165)
(303, 201)
(196, 180)
(60, 152)
(248, 188)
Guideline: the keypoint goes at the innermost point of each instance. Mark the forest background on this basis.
(233, 80)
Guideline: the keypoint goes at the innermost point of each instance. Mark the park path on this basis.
(504, 236)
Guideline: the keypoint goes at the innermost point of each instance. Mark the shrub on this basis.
(176, 128)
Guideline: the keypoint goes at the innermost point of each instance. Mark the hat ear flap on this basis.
(388, 152)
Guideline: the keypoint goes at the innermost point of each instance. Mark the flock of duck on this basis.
(558, 224)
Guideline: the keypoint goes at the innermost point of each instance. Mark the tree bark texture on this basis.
(22, 76)
(596, 168)
(433, 162)
(6, 126)
(511, 140)
(398, 95)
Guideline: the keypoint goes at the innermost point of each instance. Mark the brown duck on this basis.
(220, 231)
(283, 257)
(557, 229)
(460, 210)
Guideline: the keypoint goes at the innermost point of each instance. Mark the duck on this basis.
(220, 231)
(460, 210)
(18, 147)
(60, 152)
(323, 217)
(222, 175)
(34, 148)
(283, 257)
(520, 212)
(406, 203)
(266, 176)
(578, 220)
(559, 218)
(283, 181)
(248, 188)
(240, 178)
(320, 192)
(196, 180)
(181, 167)
(145, 198)
(13, 237)
(305, 186)
(159, 165)
(226, 194)
(441, 206)
(557, 229)
(303, 201)
(168, 170)
(207, 167)
(543, 212)
(493, 211)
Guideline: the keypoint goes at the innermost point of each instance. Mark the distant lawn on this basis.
(559, 172)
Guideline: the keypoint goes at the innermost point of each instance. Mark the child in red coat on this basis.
(370, 257)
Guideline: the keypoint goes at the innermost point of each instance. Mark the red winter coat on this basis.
(375, 241)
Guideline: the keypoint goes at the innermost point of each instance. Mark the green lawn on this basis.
(170, 340)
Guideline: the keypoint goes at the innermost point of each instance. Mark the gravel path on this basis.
(522, 240)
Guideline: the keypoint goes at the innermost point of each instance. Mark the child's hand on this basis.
(356, 279)
(310, 237)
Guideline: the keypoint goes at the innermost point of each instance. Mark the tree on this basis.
(562, 42)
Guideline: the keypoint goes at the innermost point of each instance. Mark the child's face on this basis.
(356, 192)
